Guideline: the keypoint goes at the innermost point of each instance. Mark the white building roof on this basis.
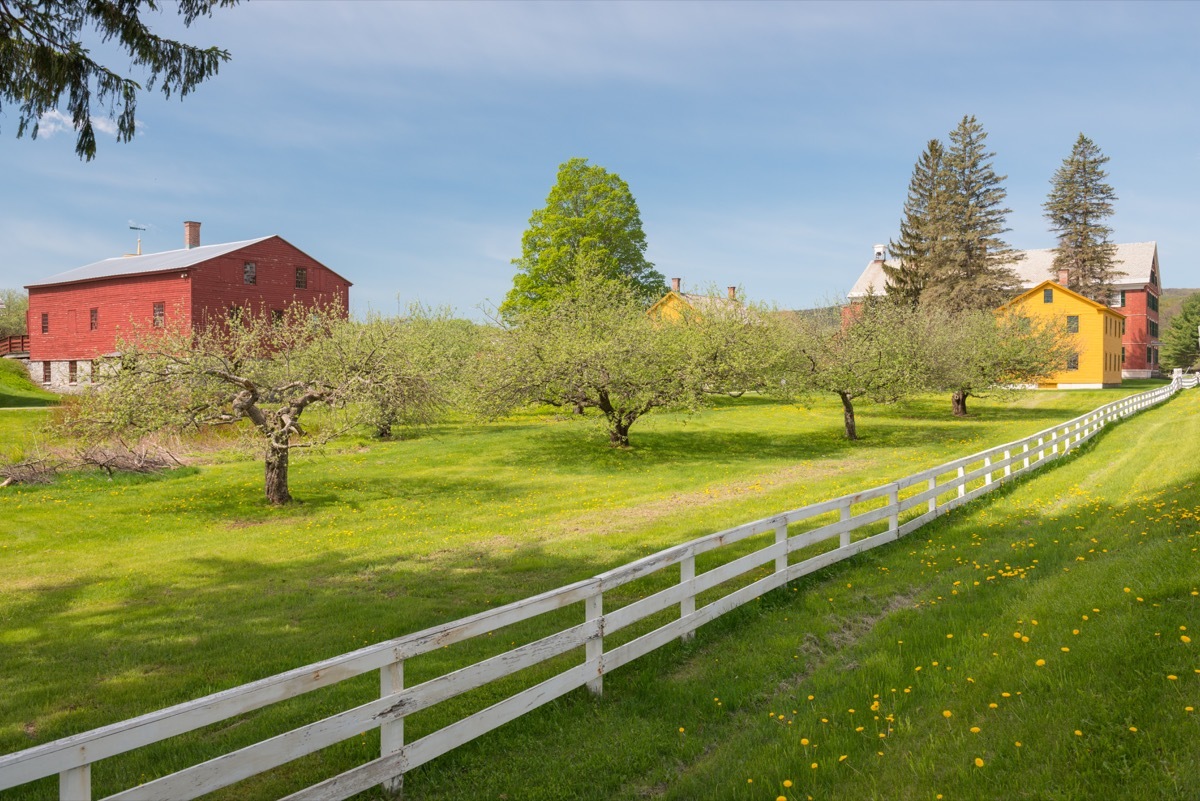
(1135, 259)
(148, 263)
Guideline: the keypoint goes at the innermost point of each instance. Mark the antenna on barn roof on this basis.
(136, 227)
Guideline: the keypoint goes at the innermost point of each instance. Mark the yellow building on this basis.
(1097, 330)
(678, 304)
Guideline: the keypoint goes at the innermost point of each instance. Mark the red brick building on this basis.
(76, 316)
(1136, 295)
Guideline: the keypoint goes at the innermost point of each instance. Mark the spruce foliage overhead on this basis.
(43, 58)
(590, 216)
(1180, 344)
(916, 254)
(974, 268)
(1079, 203)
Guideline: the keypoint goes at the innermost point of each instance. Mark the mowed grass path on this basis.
(121, 597)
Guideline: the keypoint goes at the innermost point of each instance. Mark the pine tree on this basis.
(974, 270)
(1181, 340)
(917, 251)
(1077, 206)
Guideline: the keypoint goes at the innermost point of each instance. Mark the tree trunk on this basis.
(277, 476)
(618, 434)
(958, 402)
(848, 415)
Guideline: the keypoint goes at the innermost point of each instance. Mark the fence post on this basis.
(894, 502)
(391, 734)
(1025, 445)
(962, 487)
(1007, 463)
(987, 477)
(75, 784)
(1054, 441)
(933, 500)
(844, 514)
(594, 650)
(687, 572)
(781, 562)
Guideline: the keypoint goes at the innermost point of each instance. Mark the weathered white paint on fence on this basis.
(766, 568)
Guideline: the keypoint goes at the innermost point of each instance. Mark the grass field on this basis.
(125, 596)
(17, 390)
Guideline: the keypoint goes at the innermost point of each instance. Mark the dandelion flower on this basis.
(1172, 677)
(978, 762)
(1185, 638)
(681, 730)
(974, 730)
(814, 766)
(946, 713)
(1133, 728)
(803, 741)
(1065, 649)
(787, 782)
(1040, 663)
(1017, 743)
(1078, 733)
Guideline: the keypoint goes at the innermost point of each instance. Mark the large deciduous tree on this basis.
(1180, 345)
(875, 351)
(422, 374)
(14, 303)
(255, 367)
(593, 346)
(979, 353)
(590, 215)
(1078, 204)
(43, 56)
(917, 253)
(976, 271)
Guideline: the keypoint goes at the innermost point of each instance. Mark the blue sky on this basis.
(769, 145)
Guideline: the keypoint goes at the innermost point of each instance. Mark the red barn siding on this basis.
(218, 284)
(121, 302)
(1137, 329)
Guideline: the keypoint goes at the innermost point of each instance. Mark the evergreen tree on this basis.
(1077, 206)
(590, 216)
(43, 58)
(974, 270)
(1180, 344)
(916, 253)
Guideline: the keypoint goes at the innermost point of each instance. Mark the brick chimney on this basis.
(675, 284)
(732, 290)
(191, 235)
(1064, 275)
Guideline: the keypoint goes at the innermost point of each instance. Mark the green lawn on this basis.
(120, 597)
(17, 390)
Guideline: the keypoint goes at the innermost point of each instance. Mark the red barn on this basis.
(75, 316)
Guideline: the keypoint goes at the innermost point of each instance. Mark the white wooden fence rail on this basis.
(934, 491)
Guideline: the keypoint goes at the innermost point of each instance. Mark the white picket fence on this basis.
(874, 515)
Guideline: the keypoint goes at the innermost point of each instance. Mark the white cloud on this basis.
(55, 122)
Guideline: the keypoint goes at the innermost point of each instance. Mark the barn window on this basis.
(1122, 354)
(1072, 323)
(72, 371)
(160, 314)
(301, 278)
(1073, 362)
(45, 372)
(93, 319)
(249, 273)
(45, 323)
(1047, 296)
(1152, 301)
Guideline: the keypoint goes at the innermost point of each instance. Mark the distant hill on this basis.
(1169, 304)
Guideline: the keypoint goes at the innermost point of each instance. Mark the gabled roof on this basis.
(1135, 259)
(1100, 307)
(698, 302)
(149, 263)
